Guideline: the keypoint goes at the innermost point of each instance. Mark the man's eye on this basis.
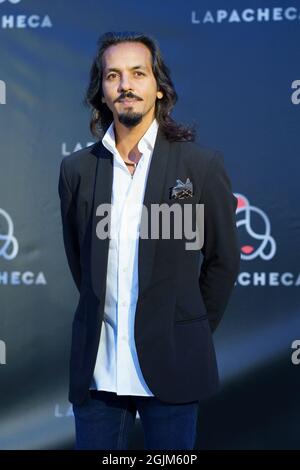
(112, 75)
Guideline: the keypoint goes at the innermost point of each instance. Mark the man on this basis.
(142, 330)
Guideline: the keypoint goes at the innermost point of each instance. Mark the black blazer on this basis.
(181, 301)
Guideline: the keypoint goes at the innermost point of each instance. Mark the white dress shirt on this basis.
(117, 367)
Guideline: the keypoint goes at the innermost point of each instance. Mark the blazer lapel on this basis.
(102, 195)
(153, 195)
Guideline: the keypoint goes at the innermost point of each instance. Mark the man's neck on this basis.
(127, 139)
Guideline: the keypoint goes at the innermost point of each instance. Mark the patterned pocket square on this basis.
(182, 190)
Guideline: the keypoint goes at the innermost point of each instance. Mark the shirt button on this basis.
(124, 270)
(124, 303)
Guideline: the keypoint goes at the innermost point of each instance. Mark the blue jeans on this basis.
(105, 421)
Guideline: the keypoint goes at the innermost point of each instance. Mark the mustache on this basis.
(129, 96)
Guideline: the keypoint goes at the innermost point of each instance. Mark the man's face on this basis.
(127, 72)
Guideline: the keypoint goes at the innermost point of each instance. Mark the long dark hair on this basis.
(101, 115)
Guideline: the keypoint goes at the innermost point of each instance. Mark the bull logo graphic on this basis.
(257, 229)
(2, 92)
(9, 246)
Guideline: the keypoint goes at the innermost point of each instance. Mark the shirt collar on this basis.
(147, 141)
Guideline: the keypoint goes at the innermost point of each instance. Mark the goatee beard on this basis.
(130, 119)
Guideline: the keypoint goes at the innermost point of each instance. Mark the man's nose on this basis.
(125, 83)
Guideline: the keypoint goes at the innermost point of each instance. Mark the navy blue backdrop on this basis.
(235, 66)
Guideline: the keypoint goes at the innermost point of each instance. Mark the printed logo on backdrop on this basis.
(2, 352)
(78, 146)
(63, 411)
(2, 92)
(9, 249)
(263, 245)
(247, 15)
(19, 20)
(255, 224)
(295, 96)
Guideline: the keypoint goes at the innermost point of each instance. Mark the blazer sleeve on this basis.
(71, 243)
(221, 251)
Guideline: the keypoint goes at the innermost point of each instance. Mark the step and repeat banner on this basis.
(235, 66)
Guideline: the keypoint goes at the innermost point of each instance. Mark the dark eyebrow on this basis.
(113, 69)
